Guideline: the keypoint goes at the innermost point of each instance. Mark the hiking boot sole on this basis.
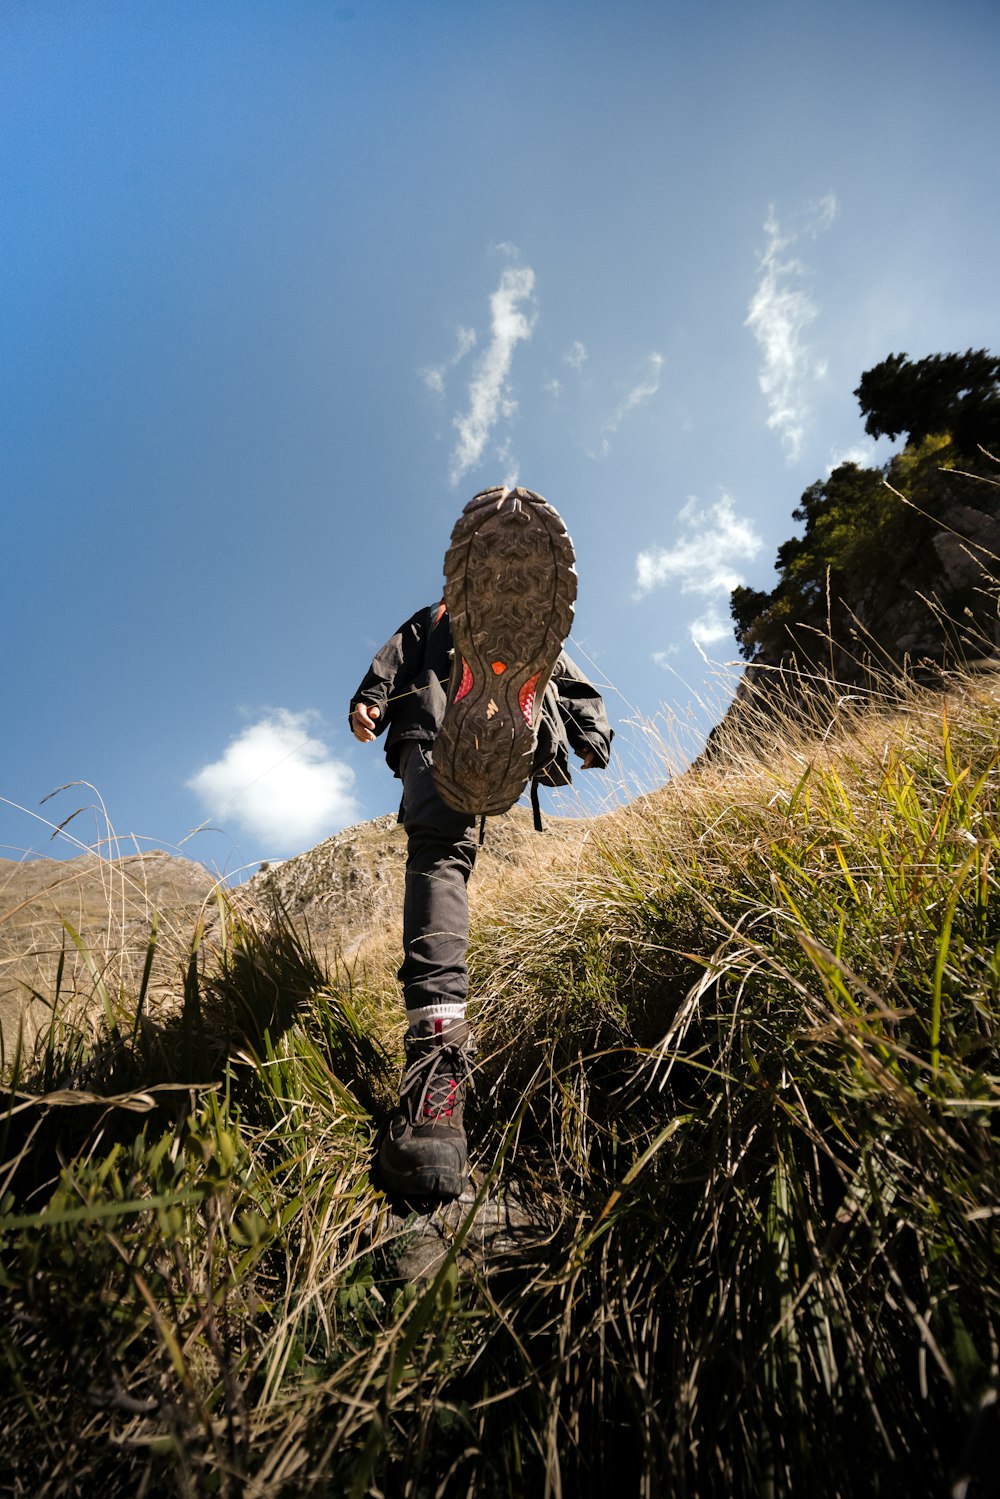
(510, 586)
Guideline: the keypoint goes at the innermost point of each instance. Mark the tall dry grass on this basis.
(738, 1053)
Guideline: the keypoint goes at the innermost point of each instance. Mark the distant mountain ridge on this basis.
(337, 893)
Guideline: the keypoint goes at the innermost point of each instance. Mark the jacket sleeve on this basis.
(583, 712)
(392, 670)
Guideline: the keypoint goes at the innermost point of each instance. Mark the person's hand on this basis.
(589, 760)
(363, 722)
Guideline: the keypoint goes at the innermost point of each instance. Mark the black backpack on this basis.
(550, 765)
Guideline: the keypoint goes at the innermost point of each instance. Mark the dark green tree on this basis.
(869, 548)
(954, 393)
(848, 521)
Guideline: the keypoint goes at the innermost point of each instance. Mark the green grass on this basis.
(740, 1054)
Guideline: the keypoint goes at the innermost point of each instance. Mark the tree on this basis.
(875, 545)
(954, 393)
(847, 528)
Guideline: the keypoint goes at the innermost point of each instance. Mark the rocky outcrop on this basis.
(925, 603)
(353, 882)
(341, 888)
(971, 548)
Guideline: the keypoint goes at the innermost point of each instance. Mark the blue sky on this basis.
(286, 282)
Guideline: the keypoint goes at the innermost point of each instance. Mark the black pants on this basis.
(441, 852)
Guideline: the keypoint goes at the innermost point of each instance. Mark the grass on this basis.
(739, 1052)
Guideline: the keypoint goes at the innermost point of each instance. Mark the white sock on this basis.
(439, 1010)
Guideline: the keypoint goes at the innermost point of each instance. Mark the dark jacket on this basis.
(408, 683)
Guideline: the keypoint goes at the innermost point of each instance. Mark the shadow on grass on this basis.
(243, 989)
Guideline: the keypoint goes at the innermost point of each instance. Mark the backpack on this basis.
(550, 764)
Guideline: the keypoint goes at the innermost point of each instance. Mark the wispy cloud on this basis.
(639, 394)
(863, 454)
(711, 627)
(779, 315)
(644, 390)
(434, 375)
(504, 454)
(704, 561)
(576, 357)
(713, 540)
(512, 320)
(821, 214)
(279, 783)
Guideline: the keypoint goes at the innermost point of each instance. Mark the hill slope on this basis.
(338, 894)
(110, 904)
(739, 1050)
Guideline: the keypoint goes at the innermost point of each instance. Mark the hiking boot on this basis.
(510, 585)
(424, 1152)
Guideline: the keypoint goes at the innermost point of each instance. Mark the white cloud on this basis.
(433, 375)
(639, 394)
(713, 540)
(780, 312)
(577, 356)
(280, 784)
(512, 320)
(823, 213)
(505, 456)
(553, 388)
(711, 627)
(705, 561)
(643, 391)
(863, 454)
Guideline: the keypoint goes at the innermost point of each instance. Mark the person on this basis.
(475, 696)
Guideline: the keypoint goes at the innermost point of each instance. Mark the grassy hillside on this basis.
(738, 1061)
(62, 919)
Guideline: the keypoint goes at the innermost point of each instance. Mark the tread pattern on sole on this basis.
(510, 588)
(425, 1182)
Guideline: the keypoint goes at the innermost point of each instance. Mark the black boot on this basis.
(424, 1151)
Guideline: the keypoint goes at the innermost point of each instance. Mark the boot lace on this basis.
(432, 1084)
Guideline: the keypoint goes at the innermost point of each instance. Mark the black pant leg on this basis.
(441, 852)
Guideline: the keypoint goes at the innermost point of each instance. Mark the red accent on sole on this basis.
(499, 667)
(466, 682)
(526, 700)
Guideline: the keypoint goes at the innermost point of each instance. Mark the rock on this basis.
(352, 884)
(501, 1237)
(969, 547)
